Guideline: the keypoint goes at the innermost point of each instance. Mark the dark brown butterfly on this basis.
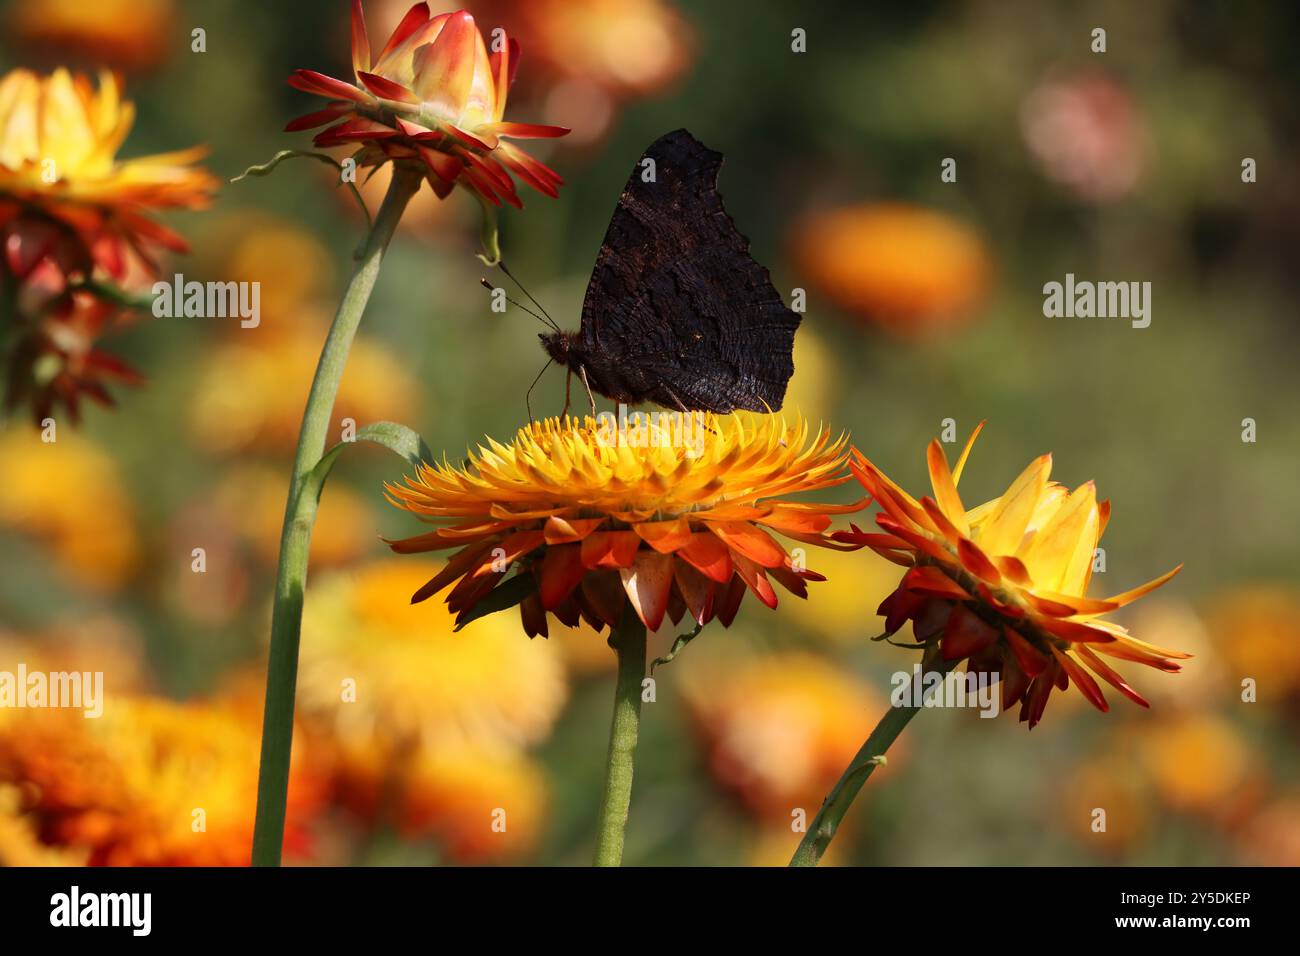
(677, 311)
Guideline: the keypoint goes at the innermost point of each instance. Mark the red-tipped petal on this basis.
(529, 130)
(360, 40)
(386, 88)
(318, 118)
(444, 69)
(309, 81)
(708, 555)
(415, 18)
(610, 549)
(1082, 679)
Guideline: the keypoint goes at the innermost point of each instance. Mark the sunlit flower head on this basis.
(906, 269)
(20, 844)
(149, 783)
(780, 729)
(66, 197)
(69, 496)
(1005, 584)
(432, 97)
(590, 515)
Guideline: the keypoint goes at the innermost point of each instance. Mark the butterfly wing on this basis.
(676, 302)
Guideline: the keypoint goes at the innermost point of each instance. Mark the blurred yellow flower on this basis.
(780, 728)
(150, 783)
(69, 496)
(854, 579)
(391, 674)
(909, 270)
(482, 803)
(293, 267)
(598, 516)
(1256, 628)
(249, 395)
(1272, 837)
(250, 499)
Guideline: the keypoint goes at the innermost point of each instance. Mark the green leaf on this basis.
(398, 439)
(504, 596)
(678, 644)
(268, 167)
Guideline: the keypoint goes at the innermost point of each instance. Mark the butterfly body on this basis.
(677, 312)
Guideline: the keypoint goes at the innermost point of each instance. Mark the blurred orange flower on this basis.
(594, 516)
(249, 392)
(1005, 584)
(68, 495)
(779, 729)
(433, 97)
(423, 725)
(592, 54)
(150, 783)
(1256, 627)
(909, 270)
(482, 803)
(129, 33)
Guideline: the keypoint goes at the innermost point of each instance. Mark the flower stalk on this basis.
(629, 642)
(300, 517)
(864, 763)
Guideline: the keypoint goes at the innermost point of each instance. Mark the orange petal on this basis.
(1131, 595)
(610, 549)
(415, 18)
(707, 554)
(564, 530)
(561, 570)
(1032, 661)
(929, 580)
(1082, 679)
(754, 576)
(965, 453)
(647, 583)
(977, 562)
(1109, 676)
(664, 536)
(945, 489)
(753, 542)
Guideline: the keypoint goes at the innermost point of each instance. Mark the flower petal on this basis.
(647, 583)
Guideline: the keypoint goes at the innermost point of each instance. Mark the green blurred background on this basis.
(924, 303)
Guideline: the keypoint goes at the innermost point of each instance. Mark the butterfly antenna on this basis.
(492, 288)
(529, 394)
(502, 266)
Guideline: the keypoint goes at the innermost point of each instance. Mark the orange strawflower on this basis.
(435, 98)
(1005, 584)
(590, 515)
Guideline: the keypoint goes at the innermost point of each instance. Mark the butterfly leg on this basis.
(681, 406)
(582, 370)
(568, 380)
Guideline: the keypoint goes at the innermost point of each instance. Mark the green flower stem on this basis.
(300, 516)
(629, 642)
(841, 797)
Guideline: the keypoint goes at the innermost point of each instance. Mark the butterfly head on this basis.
(560, 346)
